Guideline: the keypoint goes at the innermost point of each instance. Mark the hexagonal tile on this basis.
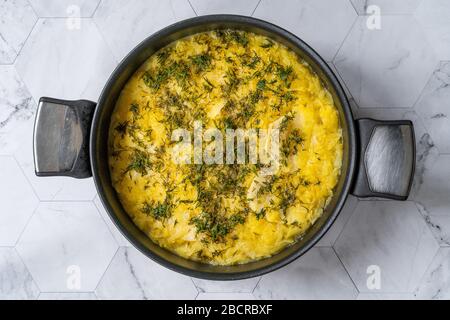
(18, 18)
(224, 296)
(385, 296)
(114, 230)
(64, 8)
(17, 110)
(131, 275)
(387, 7)
(436, 282)
(125, 23)
(338, 76)
(426, 151)
(387, 67)
(203, 7)
(432, 106)
(321, 23)
(63, 61)
(66, 246)
(439, 225)
(392, 236)
(330, 237)
(238, 286)
(17, 199)
(317, 275)
(432, 198)
(434, 191)
(433, 15)
(15, 280)
(67, 296)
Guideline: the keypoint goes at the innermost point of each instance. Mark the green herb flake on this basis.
(201, 61)
(140, 162)
(158, 212)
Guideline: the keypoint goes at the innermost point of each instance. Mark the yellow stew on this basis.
(224, 213)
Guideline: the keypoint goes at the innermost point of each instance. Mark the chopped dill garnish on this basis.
(261, 85)
(229, 123)
(140, 162)
(134, 107)
(287, 199)
(208, 86)
(239, 37)
(216, 227)
(122, 127)
(158, 212)
(252, 61)
(284, 73)
(162, 56)
(288, 96)
(267, 44)
(260, 214)
(177, 70)
(231, 83)
(201, 61)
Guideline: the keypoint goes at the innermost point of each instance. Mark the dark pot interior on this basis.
(99, 147)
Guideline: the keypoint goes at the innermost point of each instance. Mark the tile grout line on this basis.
(32, 8)
(422, 91)
(25, 41)
(423, 276)
(192, 7)
(104, 222)
(116, 60)
(256, 286)
(342, 44)
(104, 272)
(346, 271)
(34, 210)
(25, 175)
(95, 10)
(257, 5)
(346, 223)
(29, 272)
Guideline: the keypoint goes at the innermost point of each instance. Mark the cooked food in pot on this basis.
(225, 147)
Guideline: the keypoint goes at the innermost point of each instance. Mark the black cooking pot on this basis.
(70, 139)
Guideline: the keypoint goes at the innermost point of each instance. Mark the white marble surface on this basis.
(49, 225)
(125, 23)
(306, 18)
(392, 236)
(434, 18)
(18, 201)
(317, 275)
(15, 280)
(132, 276)
(240, 286)
(17, 20)
(387, 67)
(387, 7)
(64, 239)
(64, 8)
(433, 106)
(436, 282)
(203, 7)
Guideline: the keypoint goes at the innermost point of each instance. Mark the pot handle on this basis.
(61, 138)
(386, 159)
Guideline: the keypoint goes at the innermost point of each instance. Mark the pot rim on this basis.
(312, 54)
